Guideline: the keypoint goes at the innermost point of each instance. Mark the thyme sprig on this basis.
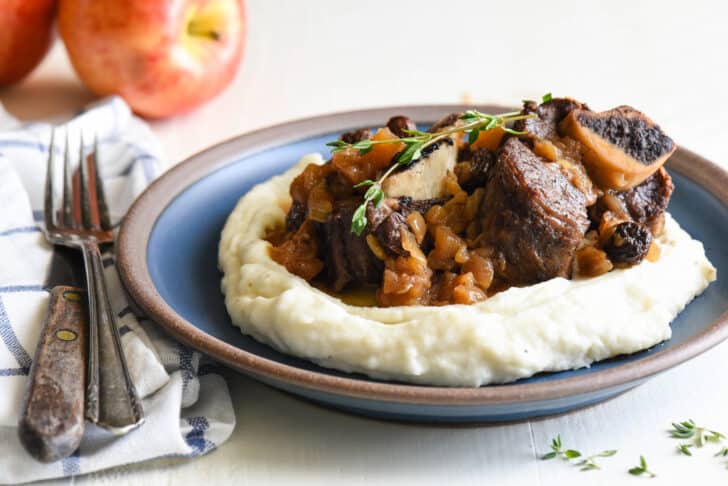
(474, 122)
(587, 463)
(642, 469)
(557, 451)
(700, 435)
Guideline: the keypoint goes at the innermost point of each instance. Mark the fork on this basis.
(83, 223)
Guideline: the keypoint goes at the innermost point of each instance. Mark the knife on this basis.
(51, 423)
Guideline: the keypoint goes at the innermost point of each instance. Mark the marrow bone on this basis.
(424, 178)
(622, 146)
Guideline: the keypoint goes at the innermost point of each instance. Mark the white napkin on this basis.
(187, 406)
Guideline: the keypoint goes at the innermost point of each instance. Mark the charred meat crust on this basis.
(295, 217)
(631, 131)
(389, 234)
(347, 256)
(647, 202)
(387, 220)
(475, 171)
(550, 114)
(407, 205)
(532, 215)
(445, 122)
(356, 135)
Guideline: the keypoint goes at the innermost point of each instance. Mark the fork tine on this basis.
(86, 212)
(102, 209)
(67, 187)
(48, 212)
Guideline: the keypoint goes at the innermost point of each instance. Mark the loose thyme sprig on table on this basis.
(642, 469)
(474, 122)
(556, 450)
(585, 464)
(689, 430)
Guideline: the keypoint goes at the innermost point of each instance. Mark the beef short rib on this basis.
(348, 257)
(533, 216)
(647, 202)
(550, 114)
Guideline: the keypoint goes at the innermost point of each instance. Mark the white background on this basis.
(303, 58)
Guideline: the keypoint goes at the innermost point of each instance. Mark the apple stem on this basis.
(194, 29)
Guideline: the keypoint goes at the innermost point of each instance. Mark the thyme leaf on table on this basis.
(587, 463)
(690, 430)
(642, 469)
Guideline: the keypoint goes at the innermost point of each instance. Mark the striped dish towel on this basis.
(187, 405)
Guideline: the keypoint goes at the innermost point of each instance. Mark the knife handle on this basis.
(52, 419)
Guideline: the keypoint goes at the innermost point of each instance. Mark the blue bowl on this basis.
(168, 261)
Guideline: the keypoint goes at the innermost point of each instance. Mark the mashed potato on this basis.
(554, 325)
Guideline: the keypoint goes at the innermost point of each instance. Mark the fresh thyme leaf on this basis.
(690, 430)
(470, 115)
(359, 219)
(410, 154)
(642, 469)
(366, 150)
(722, 453)
(363, 146)
(683, 430)
(338, 146)
(374, 194)
(571, 454)
(365, 183)
(713, 436)
(546, 98)
(555, 448)
(585, 464)
(473, 135)
(685, 449)
(491, 124)
(416, 133)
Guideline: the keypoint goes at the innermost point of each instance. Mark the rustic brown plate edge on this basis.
(140, 220)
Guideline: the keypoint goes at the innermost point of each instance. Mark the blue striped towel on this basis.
(187, 404)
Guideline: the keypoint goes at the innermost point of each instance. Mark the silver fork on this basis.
(83, 223)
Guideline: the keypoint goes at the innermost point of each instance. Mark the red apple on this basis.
(26, 32)
(163, 57)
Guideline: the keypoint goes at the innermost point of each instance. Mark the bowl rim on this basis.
(131, 249)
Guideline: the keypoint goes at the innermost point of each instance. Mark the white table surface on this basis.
(304, 58)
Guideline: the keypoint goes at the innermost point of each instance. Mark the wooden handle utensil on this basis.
(52, 420)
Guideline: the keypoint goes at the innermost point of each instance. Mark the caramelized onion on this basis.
(591, 262)
(417, 224)
(481, 269)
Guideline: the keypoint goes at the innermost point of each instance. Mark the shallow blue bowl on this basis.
(167, 253)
